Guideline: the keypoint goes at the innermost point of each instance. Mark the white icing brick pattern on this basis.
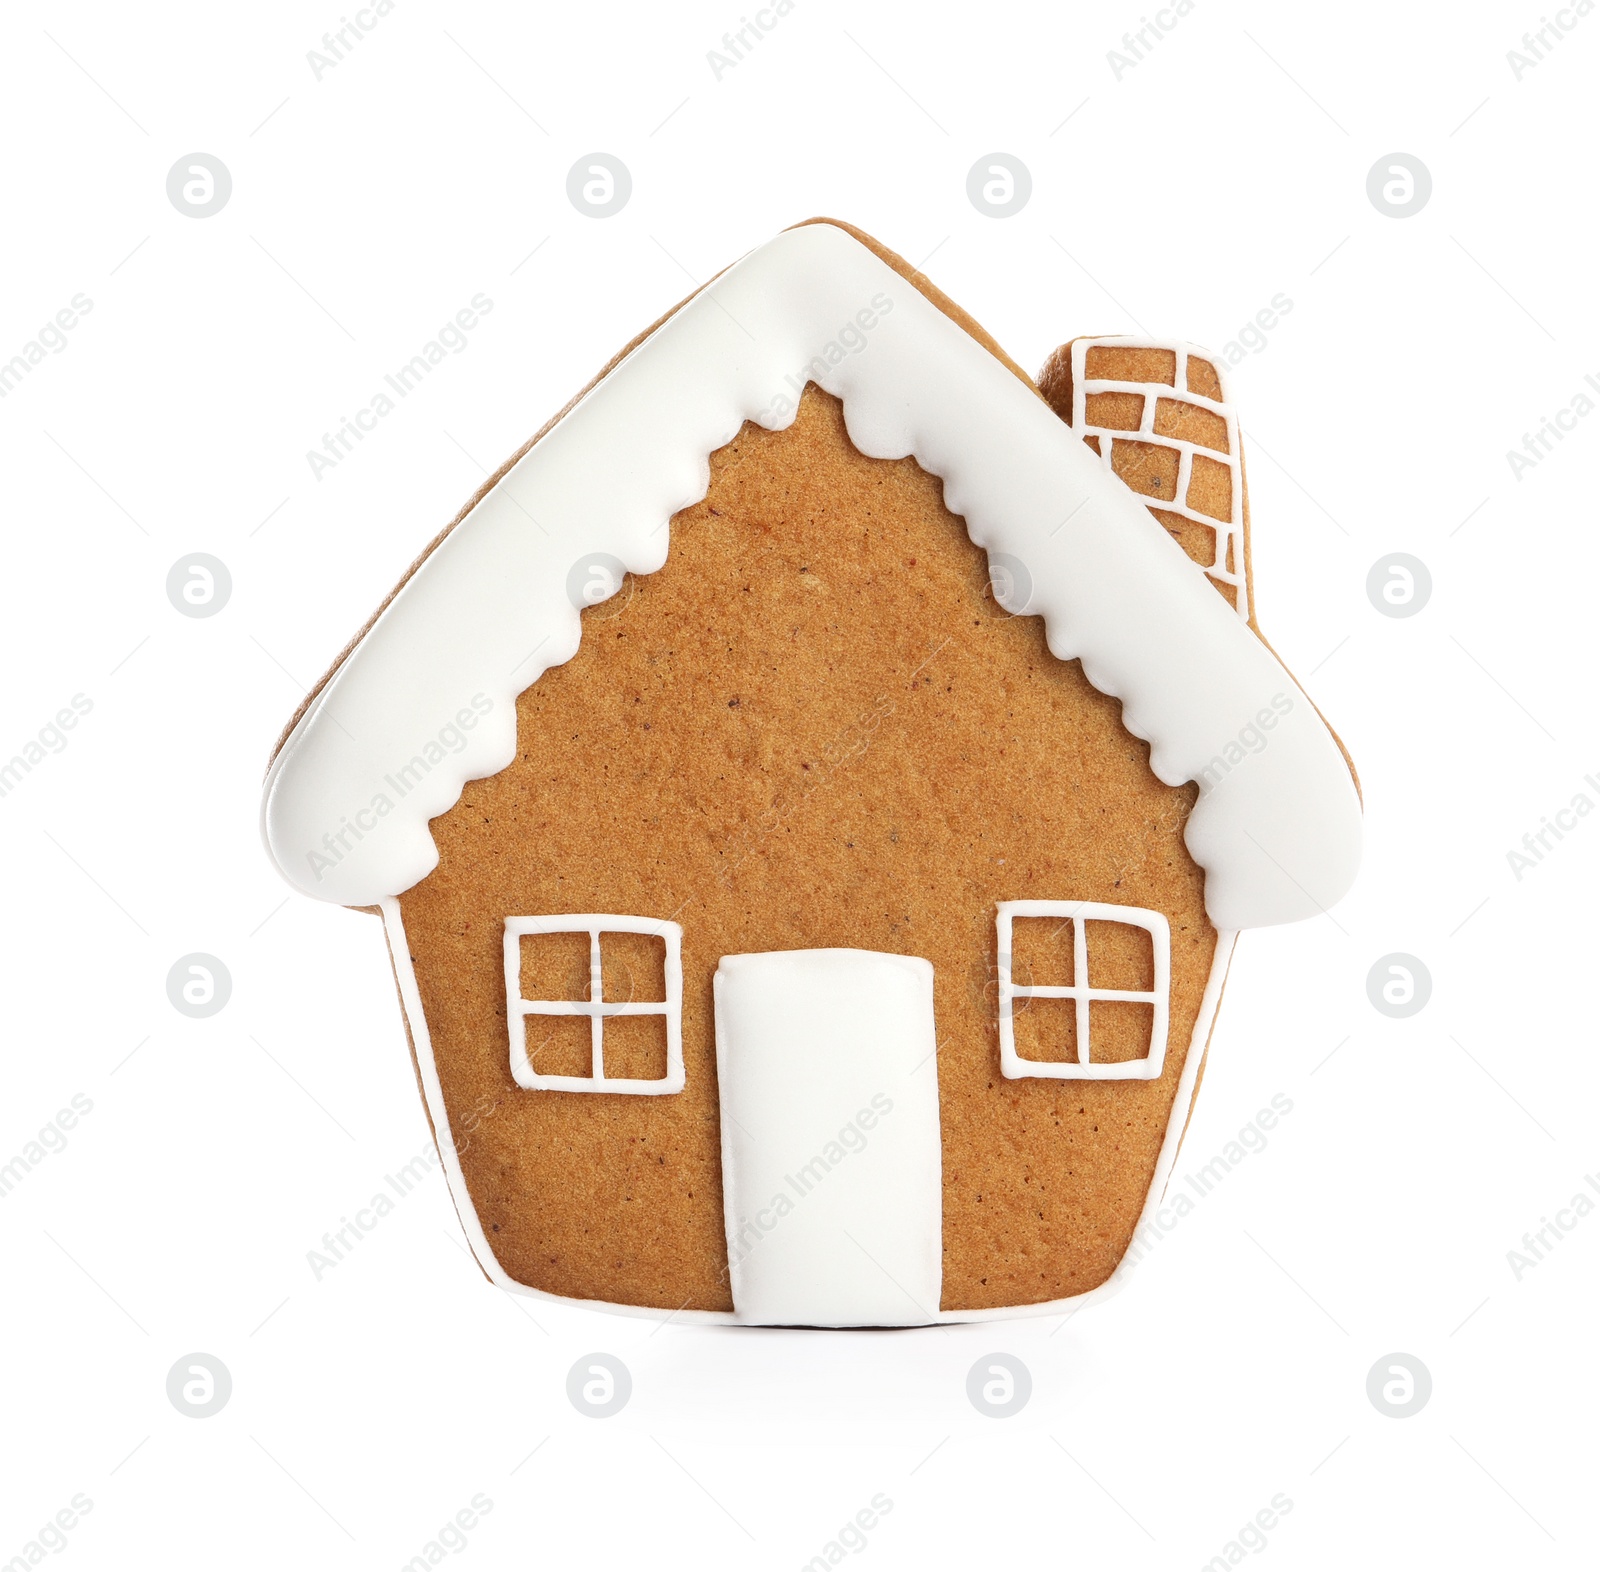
(1230, 533)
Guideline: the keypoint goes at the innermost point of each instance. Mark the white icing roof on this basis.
(384, 747)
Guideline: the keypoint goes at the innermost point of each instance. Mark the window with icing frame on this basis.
(594, 1006)
(1076, 915)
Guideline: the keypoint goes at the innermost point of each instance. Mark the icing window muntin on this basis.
(1081, 990)
(595, 1007)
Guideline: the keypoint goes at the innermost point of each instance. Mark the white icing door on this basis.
(828, 1079)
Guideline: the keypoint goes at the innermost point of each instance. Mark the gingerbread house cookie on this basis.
(812, 793)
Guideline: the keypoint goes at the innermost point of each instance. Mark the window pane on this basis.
(1041, 952)
(1047, 1030)
(1120, 956)
(633, 969)
(559, 1044)
(634, 1046)
(1119, 1032)
(555, 966)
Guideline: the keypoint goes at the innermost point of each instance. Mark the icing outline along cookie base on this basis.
(483, 1252)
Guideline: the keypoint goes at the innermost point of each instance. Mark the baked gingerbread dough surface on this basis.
(813, 727)
(816, 727)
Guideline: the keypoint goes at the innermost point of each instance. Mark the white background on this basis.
(1226, 167)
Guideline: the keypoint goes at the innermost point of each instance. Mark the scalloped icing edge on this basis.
(1277, 823)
